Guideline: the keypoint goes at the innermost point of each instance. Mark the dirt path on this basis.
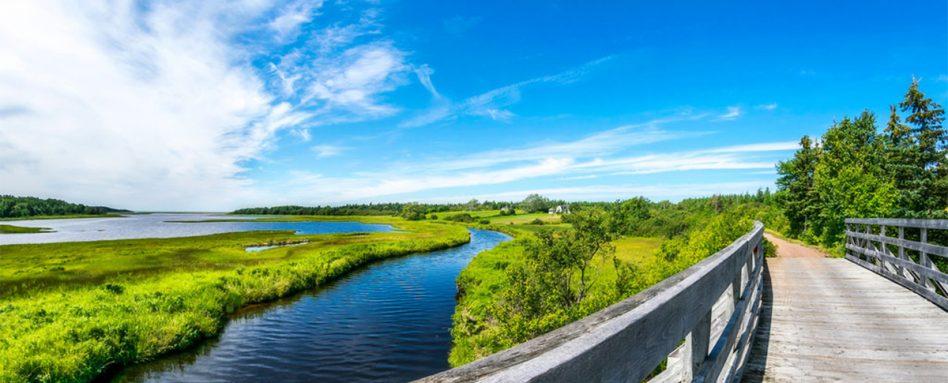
(787, 249)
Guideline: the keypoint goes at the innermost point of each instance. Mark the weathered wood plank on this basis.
(941, 224)
(911, 245)
(827, 319)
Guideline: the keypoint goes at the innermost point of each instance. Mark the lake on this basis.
(389, 322)
(160, 225)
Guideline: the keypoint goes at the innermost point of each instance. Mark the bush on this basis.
(536, 221)
(463, 217)
(484, 222)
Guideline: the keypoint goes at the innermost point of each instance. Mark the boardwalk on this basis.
(828, 319)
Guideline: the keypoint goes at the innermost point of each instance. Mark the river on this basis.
(167, 225)
(389, 322)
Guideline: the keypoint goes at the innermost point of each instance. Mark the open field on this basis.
(70, 311)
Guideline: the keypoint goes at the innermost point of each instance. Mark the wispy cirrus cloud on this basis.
(325, 151)
(619, 151)
(493, 103)
(732, 113)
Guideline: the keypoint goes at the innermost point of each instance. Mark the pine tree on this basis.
(796, 185)
(925, 188)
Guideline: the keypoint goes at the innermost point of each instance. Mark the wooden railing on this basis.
(701, 321)
(908, 262)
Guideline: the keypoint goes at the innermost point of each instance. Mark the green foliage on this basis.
(543, 280)
(535, 203)
(858, 172)
(99, 304)
(463, 217)
(412, 212)
(21, 207)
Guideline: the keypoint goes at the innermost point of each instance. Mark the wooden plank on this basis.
(938, 300)
(828, 319)
(940, 224)
(928, 272)
(917, 246)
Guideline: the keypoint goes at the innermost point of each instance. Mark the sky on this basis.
(216, 105)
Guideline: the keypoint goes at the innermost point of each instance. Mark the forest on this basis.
(21, 207)
(857, 170)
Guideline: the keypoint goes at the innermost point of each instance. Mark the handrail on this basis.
(906, 262)
(702, 320)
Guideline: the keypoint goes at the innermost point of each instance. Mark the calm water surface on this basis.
(389, 322)
(158, 225)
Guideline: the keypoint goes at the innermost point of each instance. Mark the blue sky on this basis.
(217, 105)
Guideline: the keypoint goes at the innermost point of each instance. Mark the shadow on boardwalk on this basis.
(826, 319)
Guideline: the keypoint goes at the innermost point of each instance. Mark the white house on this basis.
(560, 209)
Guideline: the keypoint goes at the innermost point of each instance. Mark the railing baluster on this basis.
(699, 339)
(924, 261)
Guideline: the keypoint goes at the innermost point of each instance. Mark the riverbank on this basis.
(11, 229)
(94, 306)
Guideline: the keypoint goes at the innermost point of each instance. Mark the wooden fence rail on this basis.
(701, 321)
(907, 262)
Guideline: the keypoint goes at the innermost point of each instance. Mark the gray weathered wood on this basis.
(871, 251)
(830, 320)
(941, 224)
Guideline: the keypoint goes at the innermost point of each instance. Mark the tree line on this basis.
(15, 207)
(857, 170)
(409, 210)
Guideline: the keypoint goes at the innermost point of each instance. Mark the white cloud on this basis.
(159, 107)
(287, 23)
(658, 191)
(324, 151)
(302, 133)
(424, 73)
(732, 113)
(597, 155)
(492, 104)
(768, 107)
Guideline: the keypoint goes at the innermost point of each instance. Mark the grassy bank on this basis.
(494, 312)
(70, 311)
(10, 229)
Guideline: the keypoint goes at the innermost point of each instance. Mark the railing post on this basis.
(924, 261)
(698, 341)
(902, 250)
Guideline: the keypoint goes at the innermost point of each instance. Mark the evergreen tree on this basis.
(925, 187)
(798, 197)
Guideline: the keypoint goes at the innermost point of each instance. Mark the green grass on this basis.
(69, 311)
(10, 229)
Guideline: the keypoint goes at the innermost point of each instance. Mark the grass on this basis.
(475, 331)
(71, 311)
(10, 229)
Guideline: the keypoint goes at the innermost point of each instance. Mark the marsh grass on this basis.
(71, 311)
(11, 229)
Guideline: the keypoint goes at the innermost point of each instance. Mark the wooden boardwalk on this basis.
(828, 320)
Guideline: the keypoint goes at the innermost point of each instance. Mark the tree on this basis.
(849, 178)
(922, 185)
(798, 197)
(626, 217)
(557, 271)
(535, 203)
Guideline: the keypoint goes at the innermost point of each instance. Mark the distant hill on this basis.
(16, 207)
